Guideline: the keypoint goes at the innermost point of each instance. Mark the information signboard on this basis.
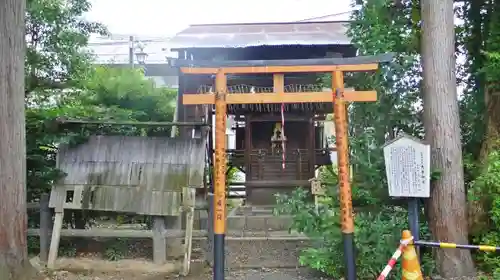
(407, 164)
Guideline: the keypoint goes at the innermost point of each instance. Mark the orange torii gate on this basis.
(221, 98)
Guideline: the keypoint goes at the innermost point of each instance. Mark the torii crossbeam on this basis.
(221, 98)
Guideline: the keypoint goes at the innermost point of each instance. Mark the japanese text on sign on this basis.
(407, 163)
(219, 210)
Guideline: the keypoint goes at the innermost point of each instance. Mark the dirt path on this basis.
(258, 274)
(247, 274)
(96, 269)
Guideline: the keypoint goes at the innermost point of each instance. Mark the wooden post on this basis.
(56, 231)
(312, 147)
(299, 164)
(248, 152)
(159, 240)
(210, 229)
(261, 156)
(279, 83)
(220, 175)
(346, 216)
(316, 190)
(45, 223)
(160, 224)
(189, 203)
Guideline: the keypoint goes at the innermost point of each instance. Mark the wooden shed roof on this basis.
(142, 175)
(151, 162)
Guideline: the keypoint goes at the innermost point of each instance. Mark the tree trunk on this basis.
(14, 264)
(447, 207)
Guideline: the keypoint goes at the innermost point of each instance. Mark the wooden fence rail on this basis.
(44, 232)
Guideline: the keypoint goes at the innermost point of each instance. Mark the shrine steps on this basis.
(255, 239)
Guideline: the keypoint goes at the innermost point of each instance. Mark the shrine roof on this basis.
(243, 35)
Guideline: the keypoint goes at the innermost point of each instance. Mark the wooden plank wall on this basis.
(143, 175)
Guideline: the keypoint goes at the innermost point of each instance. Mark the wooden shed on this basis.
(143, 175)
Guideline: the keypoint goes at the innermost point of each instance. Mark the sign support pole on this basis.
(413, 219)
(346, 211)
(220, 176)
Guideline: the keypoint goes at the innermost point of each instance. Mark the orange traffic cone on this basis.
(410, 262)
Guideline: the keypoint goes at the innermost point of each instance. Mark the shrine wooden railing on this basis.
(236, 158)
(265, 165)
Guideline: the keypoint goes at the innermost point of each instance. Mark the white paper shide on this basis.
(407, 164)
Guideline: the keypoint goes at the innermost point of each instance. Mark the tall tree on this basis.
(56, 40)
(14, 262)
(447, 206)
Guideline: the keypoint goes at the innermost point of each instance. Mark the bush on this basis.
(377, 235)
(485, 189)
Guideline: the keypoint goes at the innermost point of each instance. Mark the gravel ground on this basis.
(206, 274)
(257, 274)
(247, 274)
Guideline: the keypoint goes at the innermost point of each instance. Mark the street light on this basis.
(141, 56)
(170, 61)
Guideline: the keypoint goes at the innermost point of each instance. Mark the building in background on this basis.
(150, 53)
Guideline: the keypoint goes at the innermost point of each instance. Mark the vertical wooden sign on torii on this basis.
(221, 98)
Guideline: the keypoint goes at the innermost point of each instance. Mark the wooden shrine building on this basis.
(278, 146)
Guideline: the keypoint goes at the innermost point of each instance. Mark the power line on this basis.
(330, 15)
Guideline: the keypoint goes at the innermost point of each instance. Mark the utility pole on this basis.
(131, 51)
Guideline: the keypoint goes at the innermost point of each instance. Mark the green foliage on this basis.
(56, 35)
(493, 66)
(486, 189)
(128, 89)
(487, 183)
(116, 249)
(480, 36)
(232, 175)
(377, 235)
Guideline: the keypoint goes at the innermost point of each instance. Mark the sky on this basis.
(165, 18)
